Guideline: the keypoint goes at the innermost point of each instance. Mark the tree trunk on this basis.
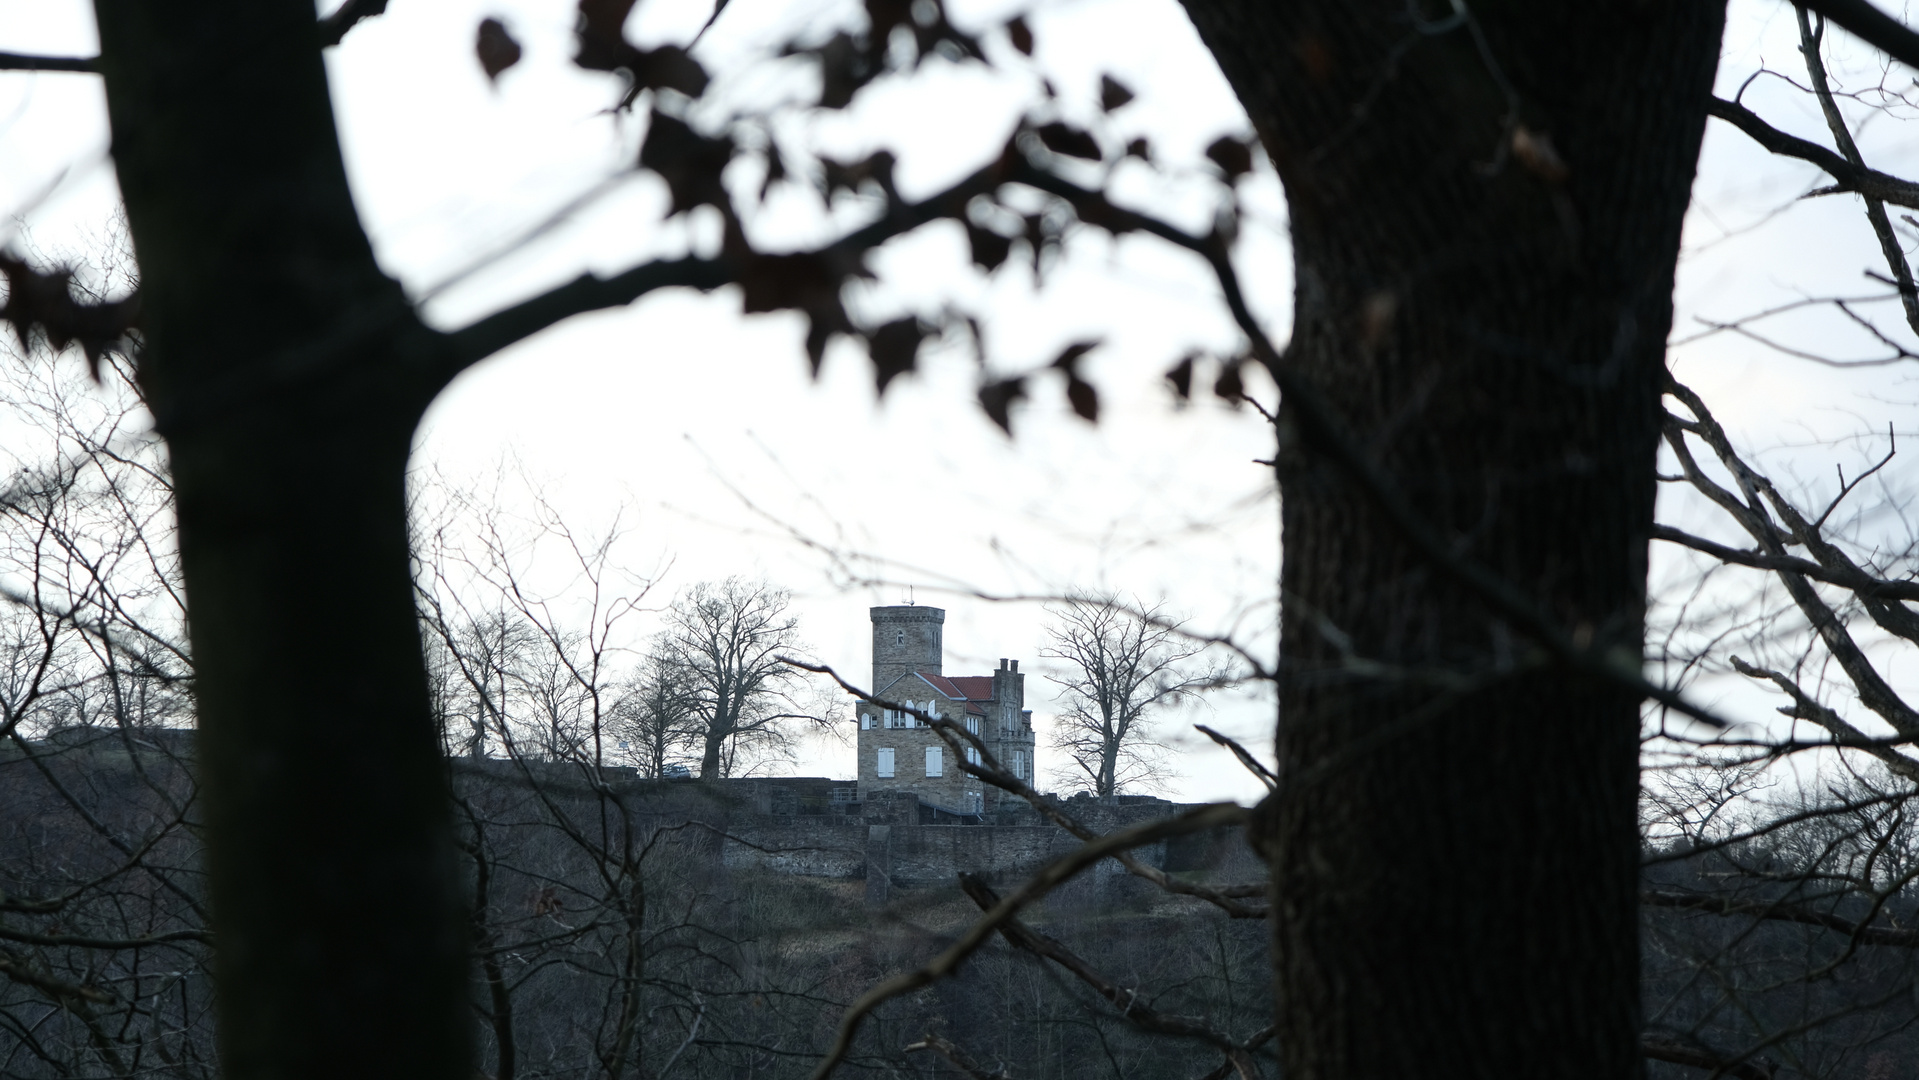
(276, 361)
(1487, 305)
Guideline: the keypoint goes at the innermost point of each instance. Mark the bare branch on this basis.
(1860, 582)
(1854, 178)
(12, 61)
(1872, 26)
(349, 14)
(1244, 755)
(1782, 912)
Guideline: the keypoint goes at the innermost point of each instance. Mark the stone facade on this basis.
(899, 752)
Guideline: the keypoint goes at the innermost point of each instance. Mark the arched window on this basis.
(901, 639)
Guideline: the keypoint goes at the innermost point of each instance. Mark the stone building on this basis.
(898, 752)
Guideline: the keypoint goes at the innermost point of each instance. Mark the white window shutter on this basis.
(934, 761)
(885, 762)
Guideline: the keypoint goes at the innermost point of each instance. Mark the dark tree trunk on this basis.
(276, 360)
(1455, 869)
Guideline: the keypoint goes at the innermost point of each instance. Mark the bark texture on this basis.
(1486, 219)
(275, 359)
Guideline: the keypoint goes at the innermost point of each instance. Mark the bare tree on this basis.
(1119, 666)
(527, 664)
(656, 720)
(723, 649)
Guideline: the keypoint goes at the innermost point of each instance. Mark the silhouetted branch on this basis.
(1783, 912)
(1853, 178)
(588, 292)
(1244, 755)
(12, 61)
(1862, 583)
(335, 26)
(1872, 26)
(81, 941)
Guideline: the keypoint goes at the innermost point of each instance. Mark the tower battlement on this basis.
(906, 641)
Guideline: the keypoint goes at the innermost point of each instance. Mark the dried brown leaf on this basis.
(1084, 399)
(669, 68)
(601, 35)
(1068, 358)
(1020, 35)
(808, 282)
(997, 398)
(895, 349)
(1181, 376)
(689, 162)
(496, 48)
(1229, 386)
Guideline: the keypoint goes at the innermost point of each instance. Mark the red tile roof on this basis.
(973, 687)
(944, 685)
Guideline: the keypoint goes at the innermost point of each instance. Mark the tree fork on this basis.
(1485, 212)
(274, 358)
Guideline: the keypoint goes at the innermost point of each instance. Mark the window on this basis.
(885, 764)
(934, 761)
(1021, 766)
(972, 724)
(901, 640)
(866, 721)
(972, 755)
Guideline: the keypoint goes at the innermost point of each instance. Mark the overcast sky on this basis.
(727, 458)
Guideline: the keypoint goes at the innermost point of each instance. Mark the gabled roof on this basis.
(944, 685)
(973, 687)
(957, 688)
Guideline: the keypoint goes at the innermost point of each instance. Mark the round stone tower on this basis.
(906, 638)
